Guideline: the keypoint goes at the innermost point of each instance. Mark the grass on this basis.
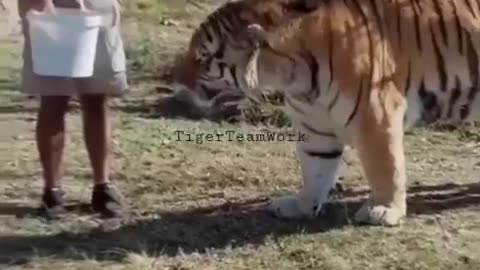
(9, 70)
(201, 205)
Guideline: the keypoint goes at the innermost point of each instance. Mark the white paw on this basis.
(291, 208)
(380, 214)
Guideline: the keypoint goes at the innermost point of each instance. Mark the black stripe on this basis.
(217, 27)
(236, 22)
(458, 26)
(317, 132)
(409, 77)
(219, 19)
(478, 4)
(380, 26)
(454, 95)
(419, 5)
(233, 73)
(441, 21)
(227, 24)
(417, 25)
(399, 26)
(464, 111)
(431, 109)
(219, 53)
(473, 61)
(325, 155)
(330, 48)
(470, 8)
(378, 17)
(281, 54)
(357, 104)
(472, 57)
(313, 65)
(442, 73)
(334, 101)
(204, 29)
(429, 100)
(295, 107)
(222, 67)
(371, 61)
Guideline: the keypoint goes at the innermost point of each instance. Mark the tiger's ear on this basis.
(256, 34)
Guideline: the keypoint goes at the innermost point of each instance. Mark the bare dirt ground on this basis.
(199, 204)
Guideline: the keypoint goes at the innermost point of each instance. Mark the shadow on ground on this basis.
(166, 104)
(167, 108)
(171, 107)
(197, 230)
(17, 108)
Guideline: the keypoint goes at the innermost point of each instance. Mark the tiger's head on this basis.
(225, 67)
(224, 50)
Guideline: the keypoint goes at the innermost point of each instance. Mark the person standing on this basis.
(109, 80)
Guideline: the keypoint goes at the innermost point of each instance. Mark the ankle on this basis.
(52, 197)
(101, 183)
(52, 187)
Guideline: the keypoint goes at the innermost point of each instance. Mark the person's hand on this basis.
(42, 5)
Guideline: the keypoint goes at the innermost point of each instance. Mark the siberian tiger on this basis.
(354, 72)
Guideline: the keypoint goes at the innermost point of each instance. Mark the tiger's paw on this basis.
(380, 215)
(290, 207)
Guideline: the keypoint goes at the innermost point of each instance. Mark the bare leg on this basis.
(96, 130)
(380, 147)
(50, 136)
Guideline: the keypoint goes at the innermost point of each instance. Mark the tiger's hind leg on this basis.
(379, 142)
(320, 158)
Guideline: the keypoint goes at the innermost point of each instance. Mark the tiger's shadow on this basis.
(228, 225)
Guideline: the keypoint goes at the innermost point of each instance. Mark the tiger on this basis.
(355, 73)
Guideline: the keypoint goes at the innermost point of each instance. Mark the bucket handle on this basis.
(81, 3)
(116, 9)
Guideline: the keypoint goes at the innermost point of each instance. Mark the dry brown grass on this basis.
(202, 205)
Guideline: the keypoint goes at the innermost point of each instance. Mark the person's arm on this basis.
(41, 5)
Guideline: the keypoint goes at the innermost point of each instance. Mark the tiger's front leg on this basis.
(380, 147)
(320, 159)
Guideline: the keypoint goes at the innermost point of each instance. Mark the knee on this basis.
(53, 108)
(94, 104)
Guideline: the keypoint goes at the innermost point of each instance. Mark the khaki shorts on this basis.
(109, 76)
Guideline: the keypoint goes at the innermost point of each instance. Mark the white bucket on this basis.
(64, 42)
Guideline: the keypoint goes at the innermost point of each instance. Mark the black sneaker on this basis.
(108, 201)
(52, 202)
